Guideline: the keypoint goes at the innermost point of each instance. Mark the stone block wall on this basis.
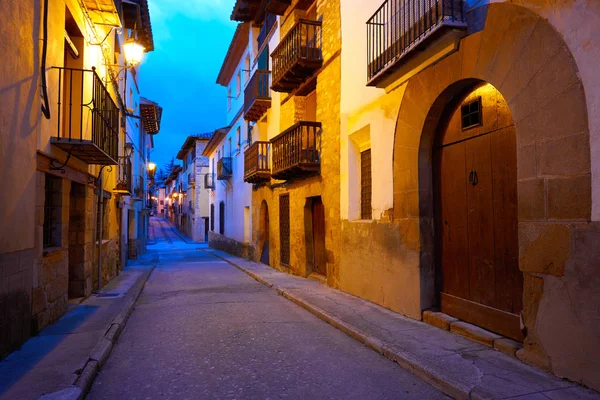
(110, 255)
(16, 277)
(51, 273)
(220, 242)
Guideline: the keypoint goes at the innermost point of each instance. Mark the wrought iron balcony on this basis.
(256, 163)
(124, 181)
(87, 117)
(297, 151)
(257, 96)
(224, 170)
(209, 181)
(270, 21)
(191, 179)
(400, 27)
(297, 56)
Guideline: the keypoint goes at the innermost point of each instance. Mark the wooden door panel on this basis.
(452, 221)
(509, 279)
(318, 212)
(480, 222)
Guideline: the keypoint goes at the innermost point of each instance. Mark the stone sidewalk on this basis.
(62, 354)
(458, 366)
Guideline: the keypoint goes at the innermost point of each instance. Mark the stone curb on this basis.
(405, 360)
(99, 354)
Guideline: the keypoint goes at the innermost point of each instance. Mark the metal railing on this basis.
(297, 146)
(86, 110)
(256, 160)
(302, 42)
(265, 29)
(399, 25)
(224, 168)
(124, 181)
(139, 189)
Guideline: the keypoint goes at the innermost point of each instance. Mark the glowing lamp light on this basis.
(151, 166)
(133, 52)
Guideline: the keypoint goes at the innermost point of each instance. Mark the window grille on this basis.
(222, 218)
(471, 114)
(366, 210)
(284, 228)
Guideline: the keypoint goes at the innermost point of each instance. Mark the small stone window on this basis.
(471, 115)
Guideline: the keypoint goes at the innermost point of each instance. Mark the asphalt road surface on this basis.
(202, 329)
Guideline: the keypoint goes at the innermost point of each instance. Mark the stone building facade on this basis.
(57, 174)
(483, 106)
(195, 199)
(531, 71)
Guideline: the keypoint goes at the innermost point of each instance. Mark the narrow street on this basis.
(202, 329)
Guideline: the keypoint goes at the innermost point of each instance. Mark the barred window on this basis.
(52, 212)
(284, 229)
(366, 210)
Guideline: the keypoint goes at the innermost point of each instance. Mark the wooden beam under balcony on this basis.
(395, 33)
(297, 151)
(278, 7)
(298, 56)
(256, 163)
(257, 96)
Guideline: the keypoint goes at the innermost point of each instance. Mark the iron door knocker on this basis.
(473, 179)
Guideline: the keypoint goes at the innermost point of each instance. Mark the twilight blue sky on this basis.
(191, 38)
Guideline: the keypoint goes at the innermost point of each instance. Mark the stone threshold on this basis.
(459, 367)
(472, 332)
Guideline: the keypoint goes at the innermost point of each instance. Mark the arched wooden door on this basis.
(475, 175)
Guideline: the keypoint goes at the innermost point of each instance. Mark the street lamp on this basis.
(133, 52)
(151, 167)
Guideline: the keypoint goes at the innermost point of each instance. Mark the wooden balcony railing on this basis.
(87, 118)
(265, 29)
(297, 56)
(297, 151)
(224, 170)
(256, 163)
(124, 177)
(209, 181)
(400, 26)
(257, 96)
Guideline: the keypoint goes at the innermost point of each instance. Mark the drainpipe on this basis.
(100, 223)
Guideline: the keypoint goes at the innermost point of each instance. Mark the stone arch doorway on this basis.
(526, 59)
(475, 212)
(263, 233)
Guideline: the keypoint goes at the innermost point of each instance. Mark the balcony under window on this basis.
(124, 177)
(104, 12)
(277, 7)
(87, 117)
(298, 56)
(191, 180)
(224, 170)
(265, 29)
(399, 29)
(257, 96)
(256, 163)
(297, 151)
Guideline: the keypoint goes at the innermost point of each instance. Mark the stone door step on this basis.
(472, 332)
